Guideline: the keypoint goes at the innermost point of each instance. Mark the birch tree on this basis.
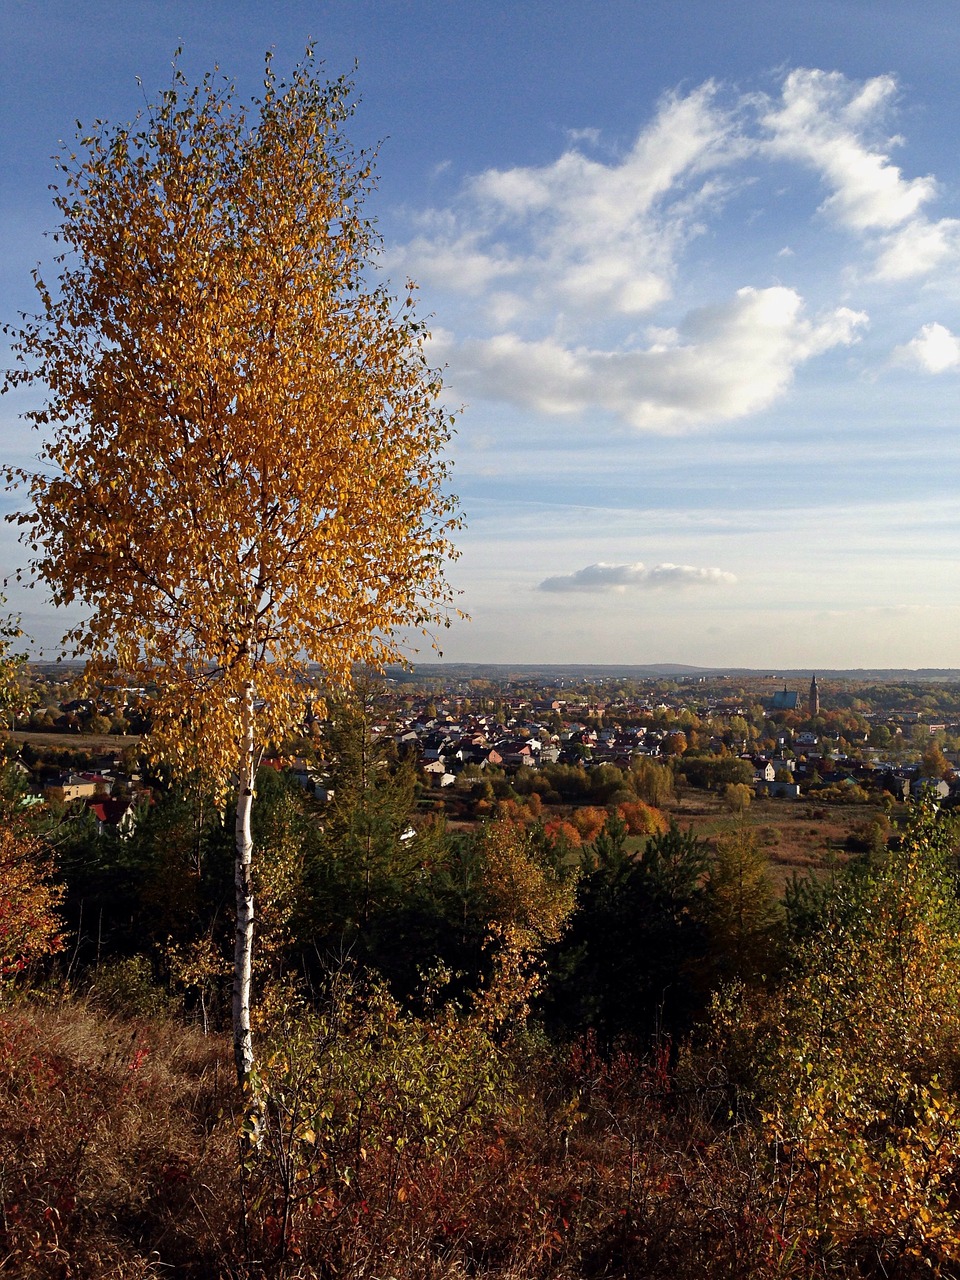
(242, 470)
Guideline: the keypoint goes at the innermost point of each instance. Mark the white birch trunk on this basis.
(243, 948)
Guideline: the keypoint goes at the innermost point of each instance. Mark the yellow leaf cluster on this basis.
(519, 891)
(243, 467)
(30, 927)
(862, 1063)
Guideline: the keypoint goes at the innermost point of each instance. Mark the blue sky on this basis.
(692, 269)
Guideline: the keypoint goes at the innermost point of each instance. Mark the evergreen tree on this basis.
(740, 909)
(368, 856)
(630, 961)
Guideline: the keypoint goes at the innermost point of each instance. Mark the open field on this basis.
(798, 835)
(75, 741)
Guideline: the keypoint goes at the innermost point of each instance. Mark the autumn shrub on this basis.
(376, 1143)
(521, 811)
(589, 822)
(30, 926)
(642, 1175)
(870, 837)
(841, 793)
(362, 1118)
(737, 796)
(641, 819)
(559, 830)
(459, 1144)
(854, 1065)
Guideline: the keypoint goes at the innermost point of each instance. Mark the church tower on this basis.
(813, 703)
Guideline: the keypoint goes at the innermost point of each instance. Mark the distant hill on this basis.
(547, 673)
(553, 673)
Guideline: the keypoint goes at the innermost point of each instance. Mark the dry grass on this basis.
(93, 742)
(118, 1160)
(798, 836)
(110, 1138)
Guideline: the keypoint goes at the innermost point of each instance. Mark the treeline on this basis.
(362, 878)
(649, 780)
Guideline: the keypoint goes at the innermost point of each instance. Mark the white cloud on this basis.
(587, 236)
(918, 249)
(825, 121)
(456, 260)
(588, 134)
(726, 362)
(620, 577)
(568, 271)
(685, 575)
(934, 350)
(820, 121)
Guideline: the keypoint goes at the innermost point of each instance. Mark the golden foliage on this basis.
(589, 822)
(642, 819)
(520, 893)
(559, 830)
(862, 1062)
(30, 927)
(242, 471)
(15, 696)
(737, 797)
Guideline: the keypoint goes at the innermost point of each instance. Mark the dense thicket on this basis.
(492, 1054)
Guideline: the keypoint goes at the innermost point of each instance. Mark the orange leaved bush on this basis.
(642, 819)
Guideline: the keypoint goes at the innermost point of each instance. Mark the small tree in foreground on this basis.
(30, 927)
(242, 472)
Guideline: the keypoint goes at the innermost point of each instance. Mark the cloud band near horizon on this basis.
(622, 577)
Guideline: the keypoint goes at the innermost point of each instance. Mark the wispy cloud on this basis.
(572, 270)
(585, 236)
(719, 267)
(829, 123)
(918, 249)
(622, 577)
(820, 120)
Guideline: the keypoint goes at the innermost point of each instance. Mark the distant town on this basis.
(562, 736)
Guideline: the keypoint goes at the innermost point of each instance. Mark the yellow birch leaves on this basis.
(243, 468)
